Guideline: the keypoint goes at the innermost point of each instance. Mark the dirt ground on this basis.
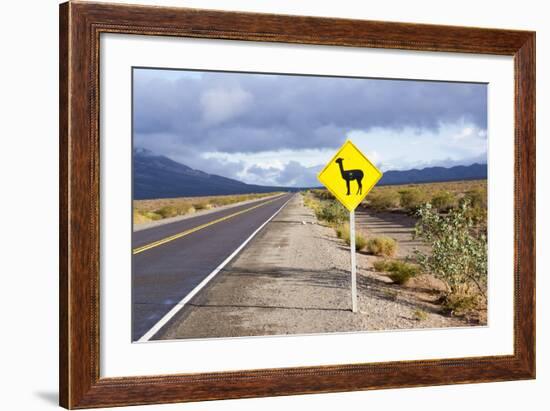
(293, 278)
(398, 226)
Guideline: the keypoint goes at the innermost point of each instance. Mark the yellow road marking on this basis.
(194, 229)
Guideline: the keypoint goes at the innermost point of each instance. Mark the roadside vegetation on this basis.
(410, 197)
(342, 231)
(451, 219)
(158, 209)
(382, 246)
(420, 315)
(458, 255)
(331, 213)
(442, 196)
(398, 271)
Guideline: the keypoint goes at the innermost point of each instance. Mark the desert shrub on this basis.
(185, 208)
(443, 200)
(174, 210)
(167, 211)
(360, 241)
(383, 200)
(201, 205)
(398, 271)
(140, 218)
(151, 215)
(222, 201)
(460, 303)
(312, 202)
(458, 249)
(382, 246)
(331, 211)
(342, 231)
(412, 198)
(420, 315)
(477, 198)
(322, 194)
(381, 265)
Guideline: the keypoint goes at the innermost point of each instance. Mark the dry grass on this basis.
(156, 209)
(408, 197)
(420, 315)
(400, 272)
(382, 246)
(342, 231)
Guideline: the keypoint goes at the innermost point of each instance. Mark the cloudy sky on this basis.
(282, 129)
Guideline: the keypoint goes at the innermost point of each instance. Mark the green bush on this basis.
(331, 212)
(443, 200)
(401, 272)
(412, 198)
(398, 271)
(458, 249)
(382, 246)
(383, 200)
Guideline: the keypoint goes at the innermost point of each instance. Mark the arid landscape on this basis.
(147, 211)
(293, 278)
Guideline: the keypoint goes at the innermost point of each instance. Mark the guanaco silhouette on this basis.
(350, 175)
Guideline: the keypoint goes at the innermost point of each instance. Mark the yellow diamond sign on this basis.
(349, 175)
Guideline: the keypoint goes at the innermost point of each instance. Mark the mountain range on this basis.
(435, 174)
(157, 176)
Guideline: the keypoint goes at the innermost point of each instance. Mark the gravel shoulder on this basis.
(293, 278)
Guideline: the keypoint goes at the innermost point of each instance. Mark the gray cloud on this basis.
(234, 112)
(294, 174)
(186, 116)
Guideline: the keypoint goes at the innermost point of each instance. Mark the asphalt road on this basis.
(165, 270)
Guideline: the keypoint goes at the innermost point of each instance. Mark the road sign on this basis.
(349, 175)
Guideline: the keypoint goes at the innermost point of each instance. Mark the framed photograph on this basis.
(258, 205)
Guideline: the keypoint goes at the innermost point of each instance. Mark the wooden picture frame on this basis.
(80, 27)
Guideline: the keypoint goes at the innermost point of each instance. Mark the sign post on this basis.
(349, 165)
(353, 263)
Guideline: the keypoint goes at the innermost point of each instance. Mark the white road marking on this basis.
(168, 316)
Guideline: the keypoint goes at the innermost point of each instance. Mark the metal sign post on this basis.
(353, 263)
